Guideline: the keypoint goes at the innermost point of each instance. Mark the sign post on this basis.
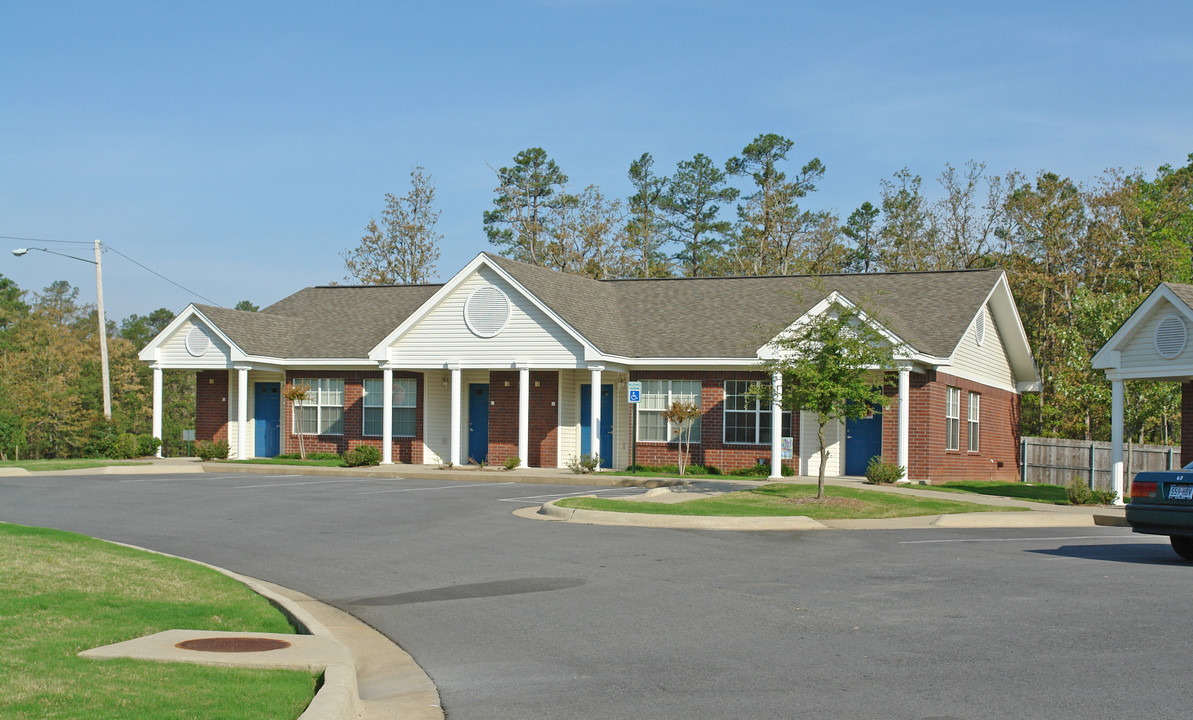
(634, 388)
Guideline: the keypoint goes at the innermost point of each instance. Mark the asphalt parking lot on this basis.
(515, 618)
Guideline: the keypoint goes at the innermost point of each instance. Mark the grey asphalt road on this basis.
(517, 618)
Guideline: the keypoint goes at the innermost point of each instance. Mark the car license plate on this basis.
(1180, 492)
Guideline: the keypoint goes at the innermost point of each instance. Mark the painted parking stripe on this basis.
(1116, 538)
(438, 487)
(543, 498)
(308, 482)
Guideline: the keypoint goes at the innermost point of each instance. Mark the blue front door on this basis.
(478, 421)
(863, 440)
(267, 409)
(606, 423)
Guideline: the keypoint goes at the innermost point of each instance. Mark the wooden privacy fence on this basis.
(1051, 461)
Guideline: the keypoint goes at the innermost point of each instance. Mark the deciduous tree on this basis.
(403, 249)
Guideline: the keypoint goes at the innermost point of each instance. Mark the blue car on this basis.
(1162, 504)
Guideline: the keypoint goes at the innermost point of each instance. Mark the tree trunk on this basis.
(823, 459)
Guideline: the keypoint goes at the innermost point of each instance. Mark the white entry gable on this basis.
(1155, 342)
(829, 304)
(483, 317)
(191, 341)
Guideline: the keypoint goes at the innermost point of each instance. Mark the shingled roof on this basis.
(656, 318)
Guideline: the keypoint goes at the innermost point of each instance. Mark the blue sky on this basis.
(238, 148)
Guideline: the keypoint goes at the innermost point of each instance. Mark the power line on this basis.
(126, 257)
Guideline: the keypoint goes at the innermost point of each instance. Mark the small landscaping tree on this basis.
(297, 395)
(681, 414)
(827, 364)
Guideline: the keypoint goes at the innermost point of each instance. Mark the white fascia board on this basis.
(150, 352)
(380, 352)
(767, 352)
(1108, 356)
(691, 362)
(1006, 318)
(1151, 373)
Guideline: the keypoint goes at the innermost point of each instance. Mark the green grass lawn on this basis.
(1054, 494)
(783, 499)
(62, 593)
(47, 465)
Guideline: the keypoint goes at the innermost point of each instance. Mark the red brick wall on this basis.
(211, 405)
(711, 450)
(927, 459)
(405, 449)
(543, 433)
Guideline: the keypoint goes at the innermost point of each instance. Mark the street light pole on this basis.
(103, 332)
(103, 323)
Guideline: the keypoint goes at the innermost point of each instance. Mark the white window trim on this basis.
(315, 400)
(410, 402)
(759, 413)
(952, 414)
(672, 432)
(973, 423)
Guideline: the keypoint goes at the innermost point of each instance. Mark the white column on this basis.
(157, 406)
(242, 413)
(1116, 439)
(776, 426)
(595, 435)
(455, 447)
(904, 418)
(387, 417)
(523, 414)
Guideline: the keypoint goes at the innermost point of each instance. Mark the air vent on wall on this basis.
(487, 311)
(979, 328)
(1171, 335)
(197, 342)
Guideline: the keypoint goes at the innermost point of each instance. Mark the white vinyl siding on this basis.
(986, 363)
(1139, 353)
(809, 447)
(972, 420)
(952, 419)
(173, 351)
(322, 413)
(405, 395)
(530, 333)
(657, 396)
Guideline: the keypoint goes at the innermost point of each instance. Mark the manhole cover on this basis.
(233, 644)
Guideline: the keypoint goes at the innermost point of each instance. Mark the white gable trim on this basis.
(152, 352)
(902, 350)
(1014, 338)
(380, 353)
(1109, 357)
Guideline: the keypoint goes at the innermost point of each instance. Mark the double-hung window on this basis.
(657, 396)
(952, 419)
(746, 419)
(972, 420)
(322, 412)
(405, 396)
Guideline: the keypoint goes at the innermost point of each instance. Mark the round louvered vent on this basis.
(979, 328)
(487, 311)
(197, 342)
(1171, 335)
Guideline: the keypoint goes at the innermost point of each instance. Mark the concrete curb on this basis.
(681, 522)
(398, 687)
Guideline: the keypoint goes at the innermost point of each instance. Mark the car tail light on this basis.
(1144, 489)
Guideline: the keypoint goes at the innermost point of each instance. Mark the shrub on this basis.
(584, 463)
(1103, 497)
(125, 446)
(362, 455)
(880, 472)
(1078, 492)
(147, 445)
(760, 470)
(212, 450)
(512, 462)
